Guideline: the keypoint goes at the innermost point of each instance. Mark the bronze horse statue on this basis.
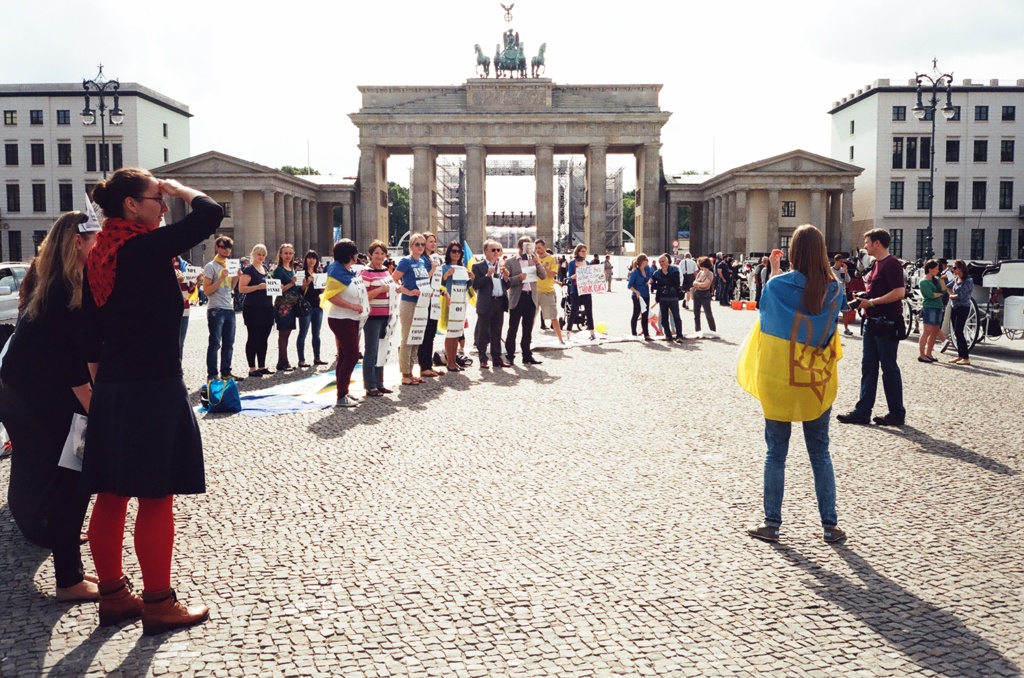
(538, 61)
(482, 61)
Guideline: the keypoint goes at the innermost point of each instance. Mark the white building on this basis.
(51, 158)
(979, 173)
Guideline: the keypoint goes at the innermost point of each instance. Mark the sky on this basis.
(744, 80)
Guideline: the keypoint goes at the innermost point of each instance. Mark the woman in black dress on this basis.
(257, 311)
(142, 440)
(45, 382)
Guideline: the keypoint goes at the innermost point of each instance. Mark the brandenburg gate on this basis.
(510, 116)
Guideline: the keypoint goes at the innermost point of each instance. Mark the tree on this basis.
(629, 212)
(299, 171)
(398, 212)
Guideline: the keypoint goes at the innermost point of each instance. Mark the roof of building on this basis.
(885, 85)
(64, 89)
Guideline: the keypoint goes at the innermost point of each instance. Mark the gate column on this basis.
(476, 199)
(545, 207)
(597, 199)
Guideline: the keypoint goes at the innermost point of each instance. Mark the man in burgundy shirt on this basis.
(883, 304)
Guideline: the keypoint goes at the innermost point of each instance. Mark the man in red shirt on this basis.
(883, 304)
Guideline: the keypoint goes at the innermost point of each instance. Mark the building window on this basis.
(167, 156)
(977, 243)
(38, 197)
(978, 195)
(67, 198)
(952, 198)
(10, 118)
(1003, 243)
(926, 153)
(956, 114)
(911, 152)
(921, 244)
(90, 157)
(897, 152)
(63, 117)
(952, 150)
(36, 117)
(14, 244)
(63, 154)
(784, 242)
(104, 157)
(11, 154)
(899, 112)
(929, 115)
(896, 195)
(1009, 113)
(981, 150)
(37, 240)
(851, 152)
(118, 157)
(789, 208)
(1006, 195)
(38, 154)
(852, 126)
(981, 113)
(896, 245)
(13, 198)
(924, 191)
(165, 130)
(1006, 150)
(226, 206)
(949, 244)
(1020, 243)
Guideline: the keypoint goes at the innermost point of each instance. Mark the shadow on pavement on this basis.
(931, 637)
(944, 448)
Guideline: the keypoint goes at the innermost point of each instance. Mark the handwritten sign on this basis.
(420, 315)
(389, 342)
(319, 281)
(192, 273)
(457, 304)
(233, 266)
(435, 295)
(300, 277)
(590, 279)
(273, 287)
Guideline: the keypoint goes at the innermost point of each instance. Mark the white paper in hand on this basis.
(273, 287)
(233, 266)
(319, 281)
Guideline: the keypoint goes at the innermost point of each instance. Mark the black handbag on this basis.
(303, 308)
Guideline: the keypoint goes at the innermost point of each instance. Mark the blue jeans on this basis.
(880, 348)
(316, 317)
(373, 331)
(222, 337)
(776, 434)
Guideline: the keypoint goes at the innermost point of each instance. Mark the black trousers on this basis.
(576, 302)
(702, 301)
(488, 336)
(425, 352)
(525, 310)
(645, 326)
(670, 307)
(259, 321)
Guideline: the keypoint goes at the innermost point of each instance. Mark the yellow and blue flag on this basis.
(338, 280)
(789, 360)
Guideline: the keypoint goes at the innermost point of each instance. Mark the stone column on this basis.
(773, 221)
(373, 195)
(243, 238)
(705, 241)
(476, 197)
(833, 222)
(545, 200)
(347, 226)
(307, 238)
(423, 215)
(597, 205)
(728, 217)
(818, 209)
(650, 233)
(296, 224)
(849, 240)
(268, 218)
(741, 243)
(720, 243)
(279, 231)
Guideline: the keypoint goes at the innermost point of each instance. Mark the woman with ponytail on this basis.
(142, 439)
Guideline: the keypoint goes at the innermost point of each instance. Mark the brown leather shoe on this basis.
(163, 613)
(118, 603)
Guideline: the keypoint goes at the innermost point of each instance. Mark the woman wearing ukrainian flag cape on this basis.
(347, 305)
(789, 362)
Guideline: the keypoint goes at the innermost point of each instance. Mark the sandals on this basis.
(454, 368)
(385, 391)
(411, 381)
(303, 363)
(430, 373)
(374, 393)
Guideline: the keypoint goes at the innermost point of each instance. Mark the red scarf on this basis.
(101, 266)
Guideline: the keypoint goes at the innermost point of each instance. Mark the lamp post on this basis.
(100, 85)
(935, 82)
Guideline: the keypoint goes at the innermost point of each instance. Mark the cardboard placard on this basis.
(590, 279)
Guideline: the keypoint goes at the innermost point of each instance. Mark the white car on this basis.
(11, 276)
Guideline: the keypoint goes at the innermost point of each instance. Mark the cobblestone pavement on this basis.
(583, 517)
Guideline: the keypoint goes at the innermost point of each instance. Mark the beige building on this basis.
(51, 159)
(978, 203)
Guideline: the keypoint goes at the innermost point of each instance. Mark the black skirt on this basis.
(143, 440)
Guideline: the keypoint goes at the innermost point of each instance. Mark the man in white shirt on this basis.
(688, 270)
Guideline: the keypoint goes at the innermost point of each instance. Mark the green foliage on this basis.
(398, 211)
(694, 173)
(299, 171)
(629, 212)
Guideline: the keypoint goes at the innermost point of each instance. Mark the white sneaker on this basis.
(346, 401)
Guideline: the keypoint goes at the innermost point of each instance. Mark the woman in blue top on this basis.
(960, 298)
(576, 300)
(412, 275)
(639, 285)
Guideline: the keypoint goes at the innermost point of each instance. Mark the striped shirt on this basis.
(379, 306)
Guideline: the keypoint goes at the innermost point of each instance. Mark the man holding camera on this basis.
(883, 328)
(523, 298)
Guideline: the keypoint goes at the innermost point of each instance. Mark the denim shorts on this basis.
(931, 316)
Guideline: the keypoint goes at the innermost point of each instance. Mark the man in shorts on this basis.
(547, 301)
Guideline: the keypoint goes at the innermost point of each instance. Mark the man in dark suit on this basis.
(522, 300)
(490, 280)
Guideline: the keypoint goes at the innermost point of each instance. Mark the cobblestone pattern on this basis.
(584, 518)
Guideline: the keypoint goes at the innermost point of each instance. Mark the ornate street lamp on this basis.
(100, 85)
(935, 81)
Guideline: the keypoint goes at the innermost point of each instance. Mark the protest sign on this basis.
(435, 295)
(590, 279)
(273, 287)
(319, 281)
(233, 266)
(419, 320)
(457, 304)
(300, 277)
(192, 273)
(391, 336)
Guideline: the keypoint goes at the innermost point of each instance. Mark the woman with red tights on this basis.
(142, 440)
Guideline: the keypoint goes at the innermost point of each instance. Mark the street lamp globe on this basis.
(948, 111)
(918, 111)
